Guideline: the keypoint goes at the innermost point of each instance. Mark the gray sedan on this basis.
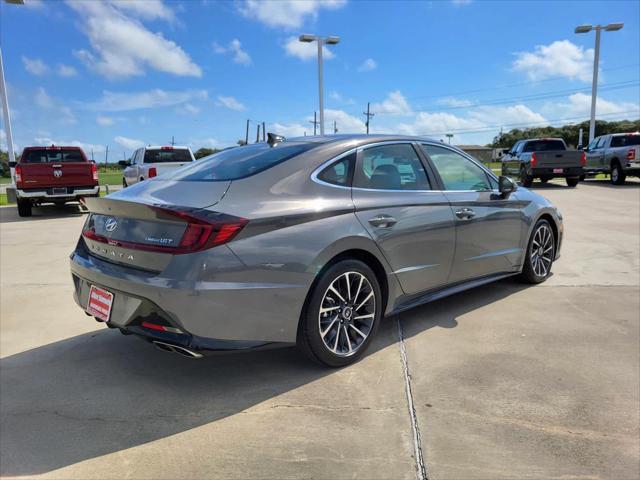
(309, 241)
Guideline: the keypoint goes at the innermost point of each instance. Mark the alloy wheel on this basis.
(541, 253)
(347, 313)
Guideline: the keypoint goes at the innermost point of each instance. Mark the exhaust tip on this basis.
(185, 352)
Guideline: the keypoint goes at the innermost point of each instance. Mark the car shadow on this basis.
(629, 183)
(9, 214)
(100, 393)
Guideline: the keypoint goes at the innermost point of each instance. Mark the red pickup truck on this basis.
(53, 175)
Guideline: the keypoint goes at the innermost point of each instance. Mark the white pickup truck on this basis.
(151, 161)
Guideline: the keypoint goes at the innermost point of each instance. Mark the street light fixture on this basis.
(321, 41)
(612, 27)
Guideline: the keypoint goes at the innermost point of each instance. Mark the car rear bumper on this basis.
(549, 172)
(72, 192)
(214, 315)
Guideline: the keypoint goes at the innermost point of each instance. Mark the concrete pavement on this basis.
(508, 381)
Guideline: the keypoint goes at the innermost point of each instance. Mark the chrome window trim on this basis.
(328, 163)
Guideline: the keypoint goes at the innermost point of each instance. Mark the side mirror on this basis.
(124, 163)
(12, 164)
(506, 186)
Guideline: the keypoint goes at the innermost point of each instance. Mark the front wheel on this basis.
(572, 181)
(342, 314)
(540, 254)
(617, 174)
(525, 180)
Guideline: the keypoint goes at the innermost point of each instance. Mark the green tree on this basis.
(204, 152)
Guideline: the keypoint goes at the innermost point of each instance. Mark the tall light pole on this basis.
(321, 41)
(612, 27)
(449, 136)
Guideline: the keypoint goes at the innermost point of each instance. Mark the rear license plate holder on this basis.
(99, 303)
(59, 190)
(558, 170)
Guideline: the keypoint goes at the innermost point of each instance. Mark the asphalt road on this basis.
(507, 381)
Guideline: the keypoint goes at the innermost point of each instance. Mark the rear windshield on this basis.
(240, 162)
(625, 141)
(544, 146)
(52, 156)
(158, 155)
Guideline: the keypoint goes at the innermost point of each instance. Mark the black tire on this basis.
(310, 339)
(124, 183)
(531, 272)
(525, 180)
(572, 181)
(24, 207)
(582, 178)
(544, 179)
(618, 176)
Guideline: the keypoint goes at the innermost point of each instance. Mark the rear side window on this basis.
(161, 155)
(51, 156)
(240, 162)
(625, 141)
(543, 146)
(391, 167)
(340, 172)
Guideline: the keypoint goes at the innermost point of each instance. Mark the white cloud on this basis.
(234, 48)
(231, 103)
(305, 51)
(346, 123)
(579, 104)
(63, 113)
(337, 97)
(34, 66)
(561, 58)
(43, 99)
(454, 102)
(104, 121)
(129, 143)
(394, 104)
(188, 109)
(287, 14)
(203, 143)
(66, 70)
(122, 46)
(459, 3)
(368, 65)
(124, 101)
(146, 9)
(289, 130)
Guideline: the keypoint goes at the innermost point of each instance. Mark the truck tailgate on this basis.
(57, 174)
(559, 159)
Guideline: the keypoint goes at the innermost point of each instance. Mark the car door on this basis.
(595, 158)
(488, 226)
(411, 223)
(513, 166)
(131, 172)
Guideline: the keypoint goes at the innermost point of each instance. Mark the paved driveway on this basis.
(507, 381)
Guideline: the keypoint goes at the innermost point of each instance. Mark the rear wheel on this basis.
(617, 174)
(525, 180)
(342, 314)
(572, 181)
(540, 254)
(544, 179)
(24, 207)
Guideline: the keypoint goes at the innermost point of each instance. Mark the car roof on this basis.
(359, 139)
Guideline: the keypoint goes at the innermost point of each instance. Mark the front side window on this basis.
(456, 171)
(340, 172)
(391, 167)
(593, 143)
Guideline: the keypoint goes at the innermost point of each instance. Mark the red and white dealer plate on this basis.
(100, 302)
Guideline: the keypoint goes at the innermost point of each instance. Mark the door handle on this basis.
(465, 214)
(383, 221)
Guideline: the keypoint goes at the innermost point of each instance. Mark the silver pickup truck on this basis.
(617, 154)
(543, 158)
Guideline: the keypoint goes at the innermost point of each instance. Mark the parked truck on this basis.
(53, 175)
(543, 158)
(617, 155)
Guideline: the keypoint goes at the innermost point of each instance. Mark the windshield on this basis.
(240, 162)
(52, 156)
(625, 141)
(161, 155)
(544, 146)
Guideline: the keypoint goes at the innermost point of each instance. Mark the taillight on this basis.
(18, 175)
(631, 155)
(160, 328)
(534, 160)
(153, 172)
(94, 172)
(204, 230)
(583, 159)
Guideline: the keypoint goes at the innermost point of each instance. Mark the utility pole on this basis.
(106, 155)
(92, 154)
(173, 142)
(6, 118)
(264, 132)
(368, 114)
(315, 123)
(258, 134)
(246, 134)
(335, 127)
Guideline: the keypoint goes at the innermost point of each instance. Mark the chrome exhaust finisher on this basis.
(167, 347)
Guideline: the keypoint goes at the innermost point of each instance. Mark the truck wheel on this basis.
(525, 180)
(617, 174)
(24, 207)
(544, 179)
(124, 183)
(572, 181)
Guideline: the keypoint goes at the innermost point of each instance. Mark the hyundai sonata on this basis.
(309, 241)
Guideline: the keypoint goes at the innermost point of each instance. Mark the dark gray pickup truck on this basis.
(543, 158)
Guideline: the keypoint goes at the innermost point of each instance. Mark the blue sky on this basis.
(125, 74)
